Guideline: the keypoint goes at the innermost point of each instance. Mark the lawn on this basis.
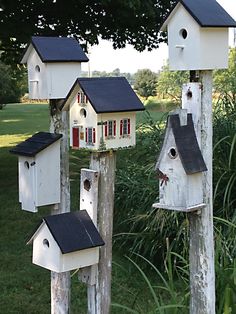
(24, 287)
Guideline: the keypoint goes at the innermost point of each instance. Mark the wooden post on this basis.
(201, 254)
(60, 282)
(99, 295)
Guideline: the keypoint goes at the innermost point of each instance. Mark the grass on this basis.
(24, 287)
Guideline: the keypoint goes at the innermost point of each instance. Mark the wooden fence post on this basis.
(201, 253)
(99, 295)
(60, 282)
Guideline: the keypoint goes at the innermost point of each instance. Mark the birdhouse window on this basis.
(82, 98)
(37, 68)
(46, 243)
(90, 136)
(183, 33)
(125, 127)
(172, 153)
(26, 164)
(83, 113)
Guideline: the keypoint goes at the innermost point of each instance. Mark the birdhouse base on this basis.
(179, 208)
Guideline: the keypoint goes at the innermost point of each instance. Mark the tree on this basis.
(122, 21)
(145, 83)
(10, 89)
(225, 80)
(170, 82)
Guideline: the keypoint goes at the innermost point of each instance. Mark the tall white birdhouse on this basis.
(39, 170)
(66, 241)
(180, 166)
(53, 64)
(102, 113)
(198, 35)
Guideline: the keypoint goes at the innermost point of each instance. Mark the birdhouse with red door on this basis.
(198, 35)
(102, 113)
(53, 64)
(180, 166)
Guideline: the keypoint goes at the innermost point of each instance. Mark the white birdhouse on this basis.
(66, 241)
(53, 64)
(39, 170)
(180, 166)
(198, 35)
(102, 113)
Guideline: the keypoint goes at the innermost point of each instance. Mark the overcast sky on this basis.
(104, 58)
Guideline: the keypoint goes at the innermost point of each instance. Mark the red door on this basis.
(75, 137)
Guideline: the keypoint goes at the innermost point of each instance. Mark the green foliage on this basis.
(225, 80)
(115, 72)
(10, 89)
(145, 83)
(170, 83)
(135, 22)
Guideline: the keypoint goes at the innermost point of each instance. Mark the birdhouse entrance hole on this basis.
(183, 33)
(172, 153)
(87, 185)
(46, 243)
(26, 164)
(37, 68)
(83, 113)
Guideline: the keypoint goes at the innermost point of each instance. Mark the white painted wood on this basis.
(203, 48)
(50, 80)
(201, 254)
(39, 178)
(178, 191)
(89, 201)
(99, 295)
(92, 119)
(60, 282)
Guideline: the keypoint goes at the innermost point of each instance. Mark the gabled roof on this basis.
(186, 144)
(35, 144)
(207, 13)
(72, 231)
(56, 49)
(106, 94)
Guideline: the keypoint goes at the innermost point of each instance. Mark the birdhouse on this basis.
(102, 113)
(39, 170)
(66, 241)
(180, 166)
(198, 35)
(53, 64)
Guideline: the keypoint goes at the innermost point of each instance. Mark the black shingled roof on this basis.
(187, 144)
(108, 94)
(58, 49)
(35, 144)
(207, 13)
(73, 231)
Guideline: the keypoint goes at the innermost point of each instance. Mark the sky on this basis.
(104, 58)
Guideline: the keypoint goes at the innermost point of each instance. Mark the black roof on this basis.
(208, 13)
(187, 144)
(73, 231)
(108, 94)
(58, 49)
(35, 144)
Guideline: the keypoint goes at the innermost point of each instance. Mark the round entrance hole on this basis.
(183, 33)
(83, 113)
(46, 243)
(172, 153)
(87, 185)
(37, 68)
(26, 163)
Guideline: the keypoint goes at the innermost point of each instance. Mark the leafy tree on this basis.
(145, 83)
(225, 80)
(10, 89)
(122, 21)
(170, 82)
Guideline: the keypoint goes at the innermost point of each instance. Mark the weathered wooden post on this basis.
(60, 282)
(198, 41)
